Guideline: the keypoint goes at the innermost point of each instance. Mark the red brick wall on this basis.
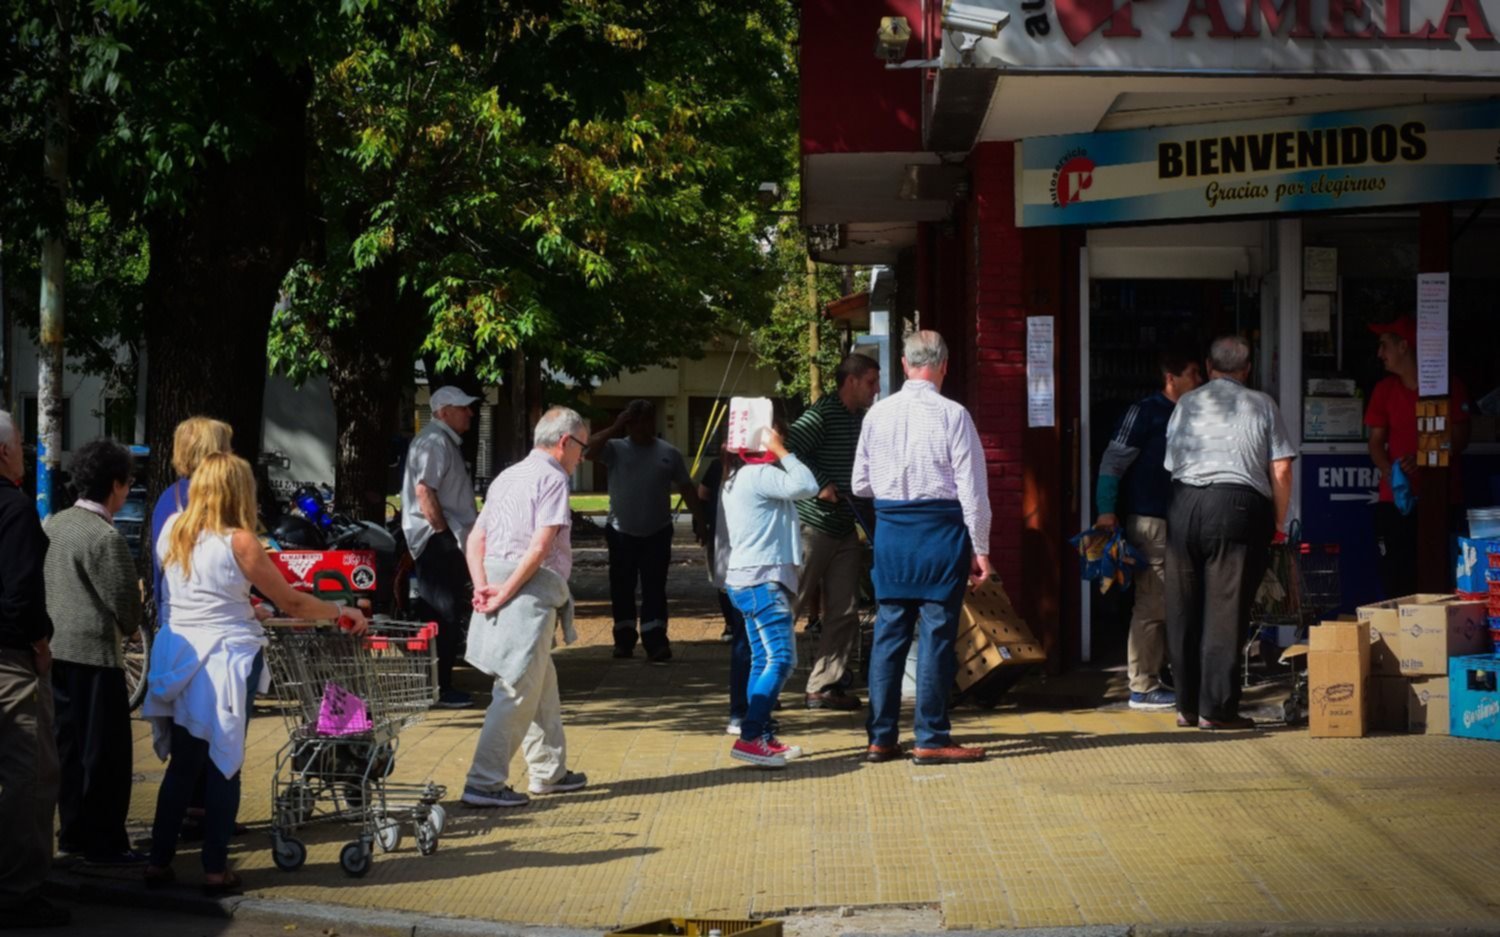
(996, 354)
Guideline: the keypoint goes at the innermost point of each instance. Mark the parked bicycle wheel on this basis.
(137, 658)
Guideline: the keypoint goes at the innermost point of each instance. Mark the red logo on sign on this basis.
(1079, 18)
(1074, 176)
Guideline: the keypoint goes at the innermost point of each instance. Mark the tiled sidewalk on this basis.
(1081, 816)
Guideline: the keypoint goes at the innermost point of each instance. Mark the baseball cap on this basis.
(450, 396)
(1405, 327)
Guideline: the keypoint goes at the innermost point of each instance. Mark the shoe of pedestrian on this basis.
(499, 797)
(659, 655)
(158, 878)
(622, 653)
(727, 636)
(833, 698)
(947, 755)
(570, 781)
(789, 752)
(757, 752)
(1187, 720)
(1234, 724)
(454, 699)
(1154, 701)
(734, 727)
(35, 912)
(879, 754)
(230, 884)
(126, 857)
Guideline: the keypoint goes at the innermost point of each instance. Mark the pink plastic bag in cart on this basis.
(342, 713)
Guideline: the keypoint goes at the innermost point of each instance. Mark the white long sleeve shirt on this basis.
(918, 445)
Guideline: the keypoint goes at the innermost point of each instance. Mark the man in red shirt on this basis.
(1392, 419)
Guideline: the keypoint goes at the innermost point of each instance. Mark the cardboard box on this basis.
(1431, 633)
(1386, 705)
(1427, 706)
(1385, 624)
(1474, 697)
(1338, 666)
(1332, 418)
(992, 635)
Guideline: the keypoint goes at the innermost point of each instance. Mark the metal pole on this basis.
(54, 260)
(814, 373)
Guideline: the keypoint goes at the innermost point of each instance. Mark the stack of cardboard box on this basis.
(1410, 642)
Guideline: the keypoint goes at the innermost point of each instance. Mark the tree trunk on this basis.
(216, 271)
(369, 369)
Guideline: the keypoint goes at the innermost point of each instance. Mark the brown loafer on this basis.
(1187, 720)
(833, 699)
(878, 754)
(1236, 724)
(948, 755)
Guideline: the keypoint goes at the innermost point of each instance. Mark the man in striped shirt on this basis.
(920, 458)
(824, 438)
(1134, 482)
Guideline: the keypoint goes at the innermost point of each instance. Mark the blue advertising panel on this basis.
(1339, 492)
(1312, 162)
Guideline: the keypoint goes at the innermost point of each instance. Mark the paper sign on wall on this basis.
(1040, 396)
(1432, 335)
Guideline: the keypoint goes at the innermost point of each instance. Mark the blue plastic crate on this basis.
(1474, 697)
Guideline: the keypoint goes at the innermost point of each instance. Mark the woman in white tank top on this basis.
(206, 668)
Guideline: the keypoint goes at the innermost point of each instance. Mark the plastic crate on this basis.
(699, 927)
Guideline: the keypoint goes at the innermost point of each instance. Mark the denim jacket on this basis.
(760, 511)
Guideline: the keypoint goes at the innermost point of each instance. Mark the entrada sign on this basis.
(1370, 38)
(1356, 159)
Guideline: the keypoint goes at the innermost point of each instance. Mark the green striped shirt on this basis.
(824, 438)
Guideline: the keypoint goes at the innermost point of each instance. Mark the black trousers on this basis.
(447, 598)
(94, 752)
(1396, 542)
(643, 559)
(1216, 557)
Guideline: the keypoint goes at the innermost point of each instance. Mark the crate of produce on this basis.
(700, 927)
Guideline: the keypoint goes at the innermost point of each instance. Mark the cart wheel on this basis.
(438, 817)
(354, 858)
(427, 838)
(288, 853)
(388, 834)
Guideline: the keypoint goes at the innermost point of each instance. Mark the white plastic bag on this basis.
(749, 420)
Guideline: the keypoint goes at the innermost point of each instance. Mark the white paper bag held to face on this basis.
(749, 419)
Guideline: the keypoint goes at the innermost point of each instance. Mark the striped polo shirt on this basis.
(824, 438)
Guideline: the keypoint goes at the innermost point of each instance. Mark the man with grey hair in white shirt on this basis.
(920, 458)
(1231, 464)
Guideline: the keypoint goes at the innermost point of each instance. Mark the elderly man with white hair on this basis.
(520, 557)
(920, 458)
(437, 512)
(1231, 463)
(28, 749)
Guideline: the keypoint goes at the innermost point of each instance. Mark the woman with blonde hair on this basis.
(206, 668)
(195, 439)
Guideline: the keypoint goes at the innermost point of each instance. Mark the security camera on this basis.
(891, 38)
(973, 19)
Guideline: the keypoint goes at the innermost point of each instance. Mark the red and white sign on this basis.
(1386, 38)
(327, 570)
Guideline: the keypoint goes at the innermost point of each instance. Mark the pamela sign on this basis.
(1354, 159)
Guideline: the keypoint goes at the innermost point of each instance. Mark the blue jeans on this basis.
(190, 766)
(768, 622)
(739, 659)
(934, 625)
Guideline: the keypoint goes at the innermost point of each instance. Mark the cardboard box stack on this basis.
(1412, 640)
(1338, 668)
(992, 636)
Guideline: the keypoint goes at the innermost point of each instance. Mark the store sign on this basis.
(1316, 162)
(1301, 37)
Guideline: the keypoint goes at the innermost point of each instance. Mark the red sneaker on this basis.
(785, 751)
(757, 752)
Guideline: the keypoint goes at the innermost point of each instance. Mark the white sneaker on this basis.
(733, 728)
(570, 781)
